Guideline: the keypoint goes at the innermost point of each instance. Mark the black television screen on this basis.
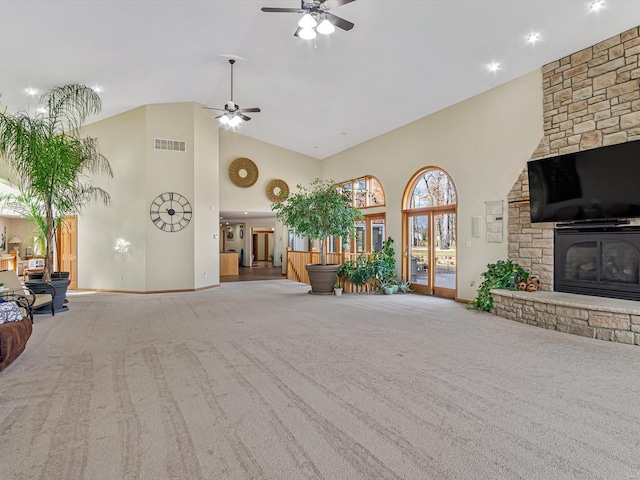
(602, 183)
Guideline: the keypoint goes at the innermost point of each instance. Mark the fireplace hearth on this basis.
(598, 260)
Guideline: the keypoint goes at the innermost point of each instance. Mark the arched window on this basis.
(432, 188)
(365, 192)
(430, 233)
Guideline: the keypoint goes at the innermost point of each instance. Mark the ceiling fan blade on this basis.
(215, 118)
(281, 10)
(256, 109)
(213, 108)
(339, 22)
(336, 3)
(244, 117)
(297, 32)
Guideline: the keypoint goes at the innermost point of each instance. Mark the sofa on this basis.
(13, 340)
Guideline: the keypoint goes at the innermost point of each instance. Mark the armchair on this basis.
(24, 296)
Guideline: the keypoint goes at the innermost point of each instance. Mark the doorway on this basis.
(430, 233)
(67, 241)
(262, 247)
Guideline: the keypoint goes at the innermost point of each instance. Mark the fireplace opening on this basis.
(600, 261)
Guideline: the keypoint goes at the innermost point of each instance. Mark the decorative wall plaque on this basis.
(243, 172)
(275, 188)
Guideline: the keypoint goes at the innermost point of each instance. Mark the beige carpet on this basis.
(258, 380)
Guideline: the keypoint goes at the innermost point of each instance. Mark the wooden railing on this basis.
(296, 271)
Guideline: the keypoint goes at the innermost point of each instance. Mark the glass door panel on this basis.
(444, 231)
(377, 235)
(418, 252)
(360, 240)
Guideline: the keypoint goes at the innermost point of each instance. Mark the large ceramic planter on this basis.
(60, 286)
(322, 278)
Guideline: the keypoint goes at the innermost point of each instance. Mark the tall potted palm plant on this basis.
(51, 162)
(318, 211)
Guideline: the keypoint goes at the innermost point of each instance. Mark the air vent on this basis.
(173, 145)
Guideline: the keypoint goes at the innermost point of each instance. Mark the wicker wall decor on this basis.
(243, 172)
(274, 189)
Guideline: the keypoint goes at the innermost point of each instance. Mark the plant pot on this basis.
(395, 288)
(60, 286)
(338, 292)
(322, 278)
(388, 290)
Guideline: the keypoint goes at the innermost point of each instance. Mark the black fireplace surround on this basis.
(600, 260)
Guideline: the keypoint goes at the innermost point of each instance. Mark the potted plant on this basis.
(502, 274)
(51, 162)
(318, 211)
(361, 271)
(383, 264)
(337, 288)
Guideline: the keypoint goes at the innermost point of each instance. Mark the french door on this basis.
(430, 251)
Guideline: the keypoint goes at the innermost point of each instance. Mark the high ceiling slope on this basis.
(402, 61)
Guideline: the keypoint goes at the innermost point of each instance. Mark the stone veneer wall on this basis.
(591, 99)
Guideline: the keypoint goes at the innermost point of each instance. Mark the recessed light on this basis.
(533, 37)
(596, 5)
(246, 213)
(493, 67)
(31, 91)
(97, 88)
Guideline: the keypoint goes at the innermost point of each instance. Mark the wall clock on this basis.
(170, 212)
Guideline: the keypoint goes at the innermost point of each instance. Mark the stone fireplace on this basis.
(591, 99)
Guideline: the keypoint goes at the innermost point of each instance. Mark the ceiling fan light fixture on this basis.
(307, 33)
(224, 120)
(235, 121)
(326, 27)
(307, 21)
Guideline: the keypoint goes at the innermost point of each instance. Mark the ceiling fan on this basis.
(233, 115)
(316, 17)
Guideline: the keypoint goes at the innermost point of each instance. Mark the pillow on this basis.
(10, 312)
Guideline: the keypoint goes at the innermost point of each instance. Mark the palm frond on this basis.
(52, 165)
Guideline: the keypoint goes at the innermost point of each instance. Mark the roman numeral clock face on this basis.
(170, 212)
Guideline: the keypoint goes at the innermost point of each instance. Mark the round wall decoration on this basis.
(243, 172)
(274, 189)
(170, 212)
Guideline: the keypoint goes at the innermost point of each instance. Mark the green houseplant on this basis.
(502, 274)
(51, 162)
(318, 211)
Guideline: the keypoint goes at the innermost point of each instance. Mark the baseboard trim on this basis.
(150, 292)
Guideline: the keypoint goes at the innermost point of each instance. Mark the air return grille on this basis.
(173, 145)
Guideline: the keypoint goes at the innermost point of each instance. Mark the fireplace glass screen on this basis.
(618, 262)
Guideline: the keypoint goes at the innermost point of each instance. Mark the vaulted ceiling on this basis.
(403, 60)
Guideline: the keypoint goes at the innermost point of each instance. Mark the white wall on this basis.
(206, 198)
(483, 143)
(100, 264)
(272, 162)
(154, 260)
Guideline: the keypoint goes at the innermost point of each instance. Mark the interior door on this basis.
(68, 250)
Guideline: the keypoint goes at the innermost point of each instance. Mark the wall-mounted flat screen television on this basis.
(598, 184)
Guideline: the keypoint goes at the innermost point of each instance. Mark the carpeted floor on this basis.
(258, 380)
